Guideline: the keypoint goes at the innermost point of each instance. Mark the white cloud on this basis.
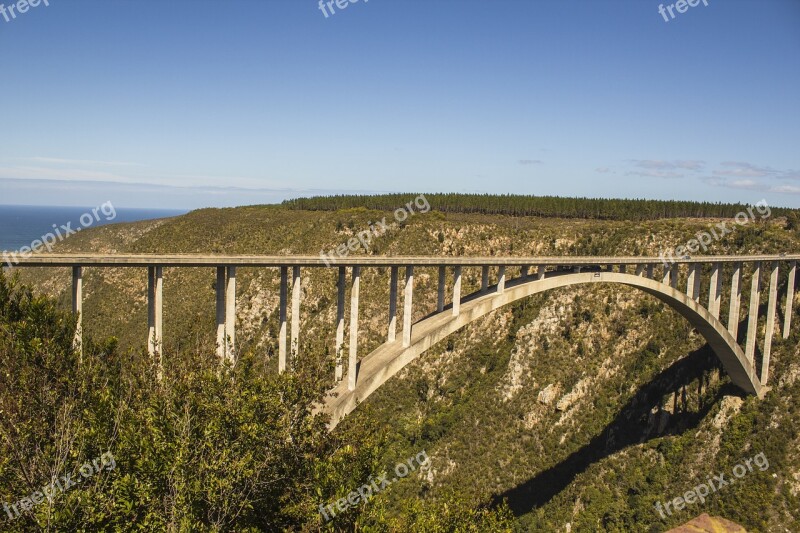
(789, 189)
(655, 174)
(736, 169)
(57, 161)
(658, 164)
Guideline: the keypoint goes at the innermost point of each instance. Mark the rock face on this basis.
(708, 524)
(548, 394)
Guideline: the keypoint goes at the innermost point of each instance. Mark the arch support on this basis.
(383, 363)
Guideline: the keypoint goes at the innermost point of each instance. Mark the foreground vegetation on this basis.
(203, 449)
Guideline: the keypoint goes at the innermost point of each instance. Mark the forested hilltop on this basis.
(535, 206)
(582, 408)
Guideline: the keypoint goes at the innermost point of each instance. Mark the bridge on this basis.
(698, 299)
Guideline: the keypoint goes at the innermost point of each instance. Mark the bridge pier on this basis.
(736, 300)
(715, 290)
(221, 343)
(456, 291)
(408, 295)
(640, 269)
(691, 280)
(698, 283)
(501, 279)
(787, 315)
(353, 361)
(440, 299)
(665, 276)
(772, 303)
(77, 308)
(230, 315)
(155, 287)
(752, 319)
(282, 311)
(650, 271)
(296, 292)
(541, 272)
(226, 313)
(484, 278)
(340, 322)
(392, 305)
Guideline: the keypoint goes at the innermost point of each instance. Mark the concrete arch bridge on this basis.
(698, 299)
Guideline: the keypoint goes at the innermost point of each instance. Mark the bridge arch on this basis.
(388, 359)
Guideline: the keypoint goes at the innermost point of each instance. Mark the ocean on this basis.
(20, 225)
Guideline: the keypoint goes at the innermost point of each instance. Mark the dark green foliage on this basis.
(540, 206)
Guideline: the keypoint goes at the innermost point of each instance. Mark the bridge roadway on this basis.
(203, 260)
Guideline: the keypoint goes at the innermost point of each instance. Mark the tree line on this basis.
(537, 206)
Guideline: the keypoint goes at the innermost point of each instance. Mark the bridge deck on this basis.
(190, 260)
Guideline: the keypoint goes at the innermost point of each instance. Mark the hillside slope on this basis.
(582, 407)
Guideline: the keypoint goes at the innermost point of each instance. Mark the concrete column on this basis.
(151, 311)
(457, 291)
(541, 272)
(524, 271)
(673, 276)
(736, 298)
(159, 311)
(155, 290)
(340, 322)
(440, 299)
(623, 269)
(772, 304)
(484, 278)
(230, 315)
(665, 276)
(221, 313)
(77, 308)
(752, 320)
(282, 311)
(691, 280)
(698, 277)
(393, 305)
(353, 362)
(295, 339)
(650, 271)
(408, 294)
(787, 315)
(640, 270)
(715, 290)
(501, 280)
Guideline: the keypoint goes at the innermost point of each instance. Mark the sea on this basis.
(20, 225)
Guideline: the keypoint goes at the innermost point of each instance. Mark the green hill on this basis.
(582, 408)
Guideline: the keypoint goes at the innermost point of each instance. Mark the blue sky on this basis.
(184, 104)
